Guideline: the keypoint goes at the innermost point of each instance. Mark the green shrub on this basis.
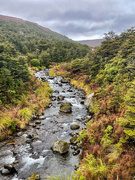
(35, 62)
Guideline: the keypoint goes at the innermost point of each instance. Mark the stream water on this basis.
(34, 155)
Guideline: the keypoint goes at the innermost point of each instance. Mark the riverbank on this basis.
(15, 117)
(108, 150)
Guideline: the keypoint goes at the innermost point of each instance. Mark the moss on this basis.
(73, 140)
(34, 177)
(66, 107)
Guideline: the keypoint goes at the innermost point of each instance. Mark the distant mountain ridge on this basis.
(33, 27)
(92, 43)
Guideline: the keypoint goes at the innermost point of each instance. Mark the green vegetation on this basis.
(109, 72)
(41, 47)
(26, 31)
(23, 47)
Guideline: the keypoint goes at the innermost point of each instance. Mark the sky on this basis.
(76, 19)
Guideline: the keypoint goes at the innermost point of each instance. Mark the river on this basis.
(31, 150)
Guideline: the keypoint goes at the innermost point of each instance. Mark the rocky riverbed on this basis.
(31, 151)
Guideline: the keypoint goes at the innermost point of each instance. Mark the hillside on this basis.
(22, 27)
(108, 73)
(91, 43)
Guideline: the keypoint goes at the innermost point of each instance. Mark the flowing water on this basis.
(36, 156)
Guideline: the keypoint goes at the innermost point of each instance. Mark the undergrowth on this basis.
(19, 114)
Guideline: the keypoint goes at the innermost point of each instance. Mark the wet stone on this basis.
(53, 98)
(51, 77)
(34, 177)
(34, 125)
(60, 84)
(43, 79)
(16, 161)
(38, 122)
(76, 167)
(19, 134)
(74, 126)
(4, 171)
(60, 146)
(82, 102)
(73, 140)
(8, 169)
(56, 91)
(70, 90)
(66, 107)
(29, 136)
(14, 152)
(75, 147)
(72, 134)
(76, 152)
(64, 81)
(60, 98)
(29, 141)
(41, 117)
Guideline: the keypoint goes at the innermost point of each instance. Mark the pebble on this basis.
(38, 122)
(29, 136)
(16, 161)
(76, 152)
(29, 141)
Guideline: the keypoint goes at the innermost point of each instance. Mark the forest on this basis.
(108, 142)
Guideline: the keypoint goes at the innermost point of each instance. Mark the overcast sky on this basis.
(76, 19)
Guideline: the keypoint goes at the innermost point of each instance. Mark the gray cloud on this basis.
(75, 19)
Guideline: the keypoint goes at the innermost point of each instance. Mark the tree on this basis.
(128, 121)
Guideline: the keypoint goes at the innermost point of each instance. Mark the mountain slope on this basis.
(22, 27)
(91, 43)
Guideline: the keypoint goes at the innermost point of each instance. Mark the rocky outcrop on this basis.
(66, 107)
(88, 100)
(60, 146)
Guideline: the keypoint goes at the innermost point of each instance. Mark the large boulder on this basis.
(60, 147)
(66, 107)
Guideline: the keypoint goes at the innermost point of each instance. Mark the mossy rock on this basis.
(60, 146)
(66, 107)
(34, 177)
(74, 126)
(64, 81)
(73, 140)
